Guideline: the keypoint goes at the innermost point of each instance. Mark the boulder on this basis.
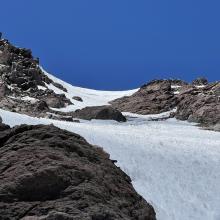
(41, 106)
(59, 86)
(57, 100)
(99, 112)
(77, 98)
(52, 174)
(3, 126)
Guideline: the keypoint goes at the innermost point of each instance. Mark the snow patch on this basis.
(90, 97)
(25, 98)
(41, 87)
(175, 87)
(200, 86)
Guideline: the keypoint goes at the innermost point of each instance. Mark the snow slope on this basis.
(90, 97)
(173, 164)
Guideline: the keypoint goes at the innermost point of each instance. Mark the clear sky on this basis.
(118, 44)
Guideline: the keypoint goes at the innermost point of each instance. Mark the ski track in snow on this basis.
(173, 164)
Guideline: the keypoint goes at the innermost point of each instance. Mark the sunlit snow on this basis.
(90, 97)
(173, 164)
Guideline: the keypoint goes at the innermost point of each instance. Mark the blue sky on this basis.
(118, 44)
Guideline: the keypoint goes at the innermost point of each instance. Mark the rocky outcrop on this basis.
(48, 173)
(152, 98)
(59, 86)
(201, 105)
(22, 80)
(99, 112)
(198, 102)
(77, 98)
(200, 81)
(3, 126)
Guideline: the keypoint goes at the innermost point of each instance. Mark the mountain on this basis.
(27, 88)
(172, 164)
(197, 102)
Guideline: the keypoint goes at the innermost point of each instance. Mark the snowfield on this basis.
(174, 165)
(90, 97)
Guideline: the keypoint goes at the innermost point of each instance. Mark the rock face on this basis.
(152, 98)
(200, 105)
(22, 80)
(198, 102)
(99, 112)
(51, 174)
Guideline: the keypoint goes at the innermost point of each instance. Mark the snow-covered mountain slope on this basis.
(90, 97)
(173, 164)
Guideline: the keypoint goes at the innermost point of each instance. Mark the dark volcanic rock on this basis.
(23, 68)
(59, 86)
(3, 126)
(99, 112)
(21, 76)
(77, 98)
(152, 98)
(49, 173)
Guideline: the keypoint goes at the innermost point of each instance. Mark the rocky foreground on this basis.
(51, 174)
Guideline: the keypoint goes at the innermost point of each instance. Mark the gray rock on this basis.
(57, 100)
(59, 86)
(216, 127)
(199, 105)
(200, 81)
(51, 216)
(3, 126)
(4, 91)
(41, 106)
(20, 70)
(77, 98)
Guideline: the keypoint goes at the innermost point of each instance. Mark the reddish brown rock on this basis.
(152, 98)
(99, 112)
(52, 174)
